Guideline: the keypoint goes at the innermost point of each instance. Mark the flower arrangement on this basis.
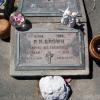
(17, 19)
(69, 18)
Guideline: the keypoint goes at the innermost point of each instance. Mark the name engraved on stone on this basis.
(49, 49)
(48, 7)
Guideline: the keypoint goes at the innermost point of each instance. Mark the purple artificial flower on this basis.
(17, 19)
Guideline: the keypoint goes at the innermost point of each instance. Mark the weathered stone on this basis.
(50, 50)
(37, 52)
(48, 7)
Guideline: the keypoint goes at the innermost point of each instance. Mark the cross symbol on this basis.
(48, 56)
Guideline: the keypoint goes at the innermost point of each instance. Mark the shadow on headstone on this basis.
(90, 35)
(27, 26)
(6, 40)
(80, 27)
(28, 77)
(70, 92)
(97, 62)
(90, 60)
(89, 32)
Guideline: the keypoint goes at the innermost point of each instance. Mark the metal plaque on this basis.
(48, 7)
(49, 50)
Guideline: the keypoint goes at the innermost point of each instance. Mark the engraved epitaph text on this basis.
(49, 49)
(48, 7)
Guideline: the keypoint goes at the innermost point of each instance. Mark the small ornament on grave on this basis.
(69, 18)
(18, 20)
(54, 88)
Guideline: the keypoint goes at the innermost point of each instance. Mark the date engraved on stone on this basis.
(49, 49)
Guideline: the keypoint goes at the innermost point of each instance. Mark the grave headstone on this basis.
(49, 48)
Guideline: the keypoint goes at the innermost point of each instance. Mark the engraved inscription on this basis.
(49, 7)
(49, 49)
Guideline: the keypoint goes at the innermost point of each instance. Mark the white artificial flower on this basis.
(54, 88)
